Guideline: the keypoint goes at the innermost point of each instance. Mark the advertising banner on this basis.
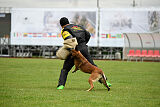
(115, 22)
(40, 26)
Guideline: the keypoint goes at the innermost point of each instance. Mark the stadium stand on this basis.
(143, 54)
(146, 46)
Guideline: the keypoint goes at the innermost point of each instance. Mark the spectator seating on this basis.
(130, 54)
(150, 53)
(137, 54)
(143, 54)
(156, 53)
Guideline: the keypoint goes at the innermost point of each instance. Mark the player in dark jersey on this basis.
(82, 36)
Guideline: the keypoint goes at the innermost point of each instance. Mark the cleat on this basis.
(109, 84)
(60, 87)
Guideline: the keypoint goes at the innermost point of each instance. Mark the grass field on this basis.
(32, 83)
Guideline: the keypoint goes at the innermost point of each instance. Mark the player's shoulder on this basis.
(64, 31)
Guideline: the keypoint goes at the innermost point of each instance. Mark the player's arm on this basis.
(66, 35)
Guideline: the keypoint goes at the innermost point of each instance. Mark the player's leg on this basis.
(67, 66)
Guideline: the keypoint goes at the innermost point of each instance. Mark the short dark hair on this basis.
(63, 21)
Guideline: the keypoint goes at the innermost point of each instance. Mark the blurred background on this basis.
(30, 28)
(79, 3)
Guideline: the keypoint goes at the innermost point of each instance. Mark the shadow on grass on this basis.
(85, 89)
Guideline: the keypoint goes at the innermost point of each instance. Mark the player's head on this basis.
(64, 21)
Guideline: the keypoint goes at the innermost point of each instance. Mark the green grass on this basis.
(32, 83)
